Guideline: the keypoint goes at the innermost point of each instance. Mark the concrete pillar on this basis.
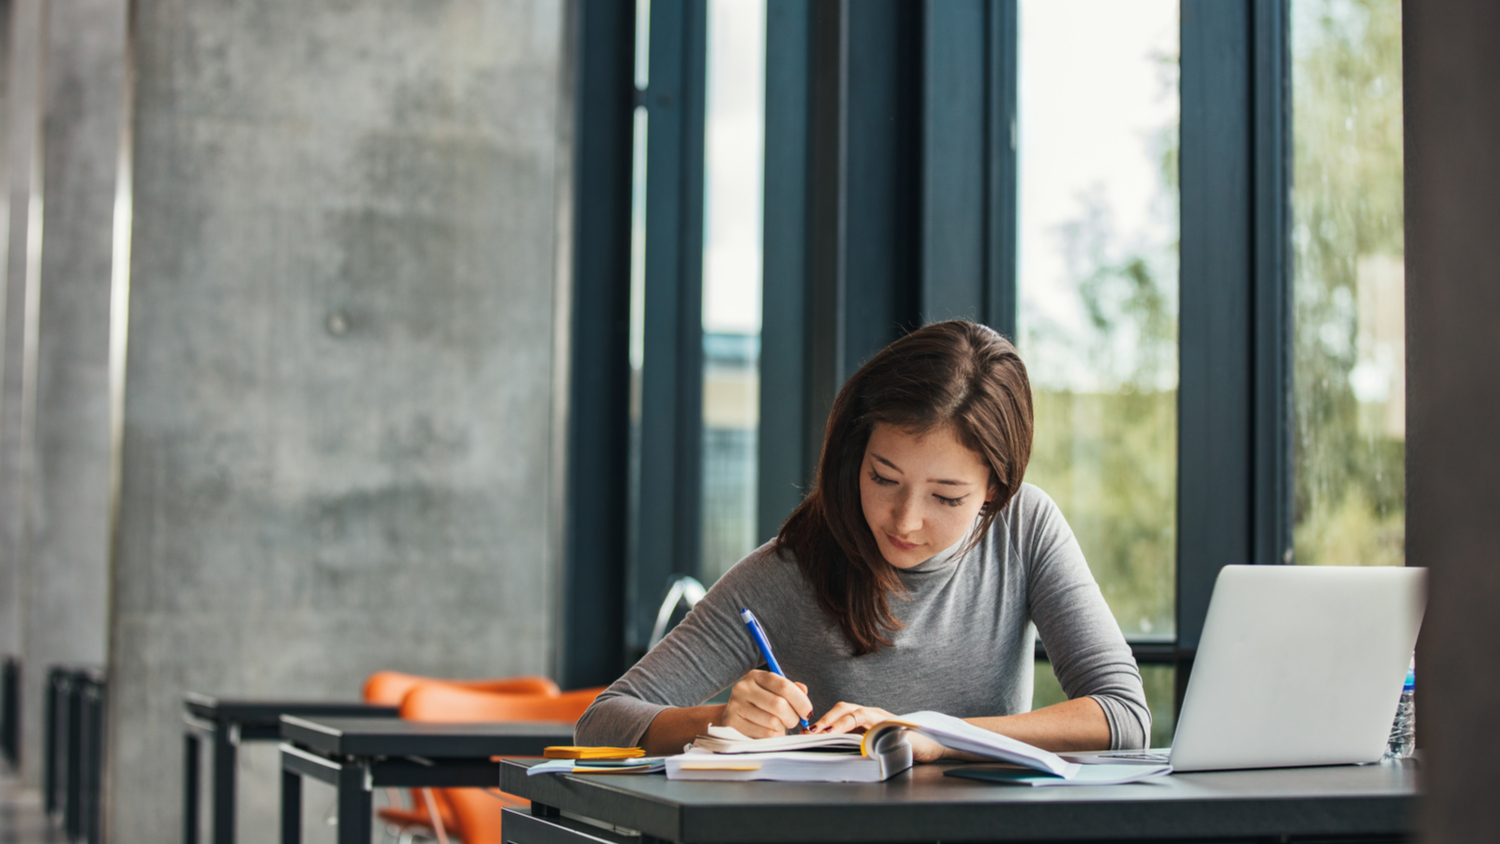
(10, 602)
(81, 88)
(27, 20)
(338, 449)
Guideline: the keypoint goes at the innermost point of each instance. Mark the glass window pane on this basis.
(1159, 682)
(1348, 283)
(1097, 278)
(733, 163)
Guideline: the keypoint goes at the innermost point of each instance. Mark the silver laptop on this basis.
(1297, 665)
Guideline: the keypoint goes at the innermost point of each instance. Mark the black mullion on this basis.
(589, 648)
(881, 179)
(785, 460)
(1216, 413)
(953, 223)
(968, 220)
(1273, 319)
(671, 380)
(1000, 140)
(827, 223)
(864, 191)
(689, 457)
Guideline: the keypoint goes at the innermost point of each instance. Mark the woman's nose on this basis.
(906, 517)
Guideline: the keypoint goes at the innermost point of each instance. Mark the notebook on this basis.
(1097, 775)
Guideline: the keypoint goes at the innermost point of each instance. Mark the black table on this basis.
(357, 755)
(73, 755)
(225, 722)
(1374, 802)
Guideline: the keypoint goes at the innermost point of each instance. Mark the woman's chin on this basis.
(904, 559)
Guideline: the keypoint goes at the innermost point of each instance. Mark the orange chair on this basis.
(444, 702)
(388, 688)
(476, 811)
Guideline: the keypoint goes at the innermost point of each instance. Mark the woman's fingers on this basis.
(757, 723)
(751, 720)
(770, 698)
(847, 717)
(794, 695)
(841, 718)
(763, 704)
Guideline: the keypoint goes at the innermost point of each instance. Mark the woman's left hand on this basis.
(851, 717)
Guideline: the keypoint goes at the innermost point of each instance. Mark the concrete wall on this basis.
(338, 396)
(1453, 403)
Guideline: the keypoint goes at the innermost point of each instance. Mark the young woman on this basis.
(914, 576)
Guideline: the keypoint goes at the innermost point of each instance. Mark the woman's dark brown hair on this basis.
(954, 374)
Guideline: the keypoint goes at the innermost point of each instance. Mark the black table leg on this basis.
(355, 806)
(49, 749)
(225, 760)
(93, 771)
(190, 787)
(73, 774)
(291, 807)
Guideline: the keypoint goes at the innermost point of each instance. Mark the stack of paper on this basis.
(730, 740)
(789, 766)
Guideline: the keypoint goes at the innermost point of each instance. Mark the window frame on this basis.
(871, 230)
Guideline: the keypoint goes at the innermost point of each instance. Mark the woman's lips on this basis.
(900, 546)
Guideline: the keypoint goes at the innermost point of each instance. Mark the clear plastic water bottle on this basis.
(1403, 739)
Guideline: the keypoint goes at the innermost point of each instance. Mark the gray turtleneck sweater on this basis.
(965, 647)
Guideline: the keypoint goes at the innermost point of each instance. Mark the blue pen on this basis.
(759, 635)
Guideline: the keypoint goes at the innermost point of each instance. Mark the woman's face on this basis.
(920, 493)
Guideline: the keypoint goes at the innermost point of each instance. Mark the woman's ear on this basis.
(990, 497)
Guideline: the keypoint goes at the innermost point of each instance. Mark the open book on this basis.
(881, 753)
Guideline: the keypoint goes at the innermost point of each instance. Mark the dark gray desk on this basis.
(73, 759)
(357, 755)
(1348, 802)
(226, 722)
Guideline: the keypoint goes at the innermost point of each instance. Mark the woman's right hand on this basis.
(763, 705)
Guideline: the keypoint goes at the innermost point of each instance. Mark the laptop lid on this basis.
(1299, 665)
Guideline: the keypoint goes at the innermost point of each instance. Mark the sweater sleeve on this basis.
(1088, 652)
(702, 656)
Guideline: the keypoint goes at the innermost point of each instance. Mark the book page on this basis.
(730, 740)
(960, 735)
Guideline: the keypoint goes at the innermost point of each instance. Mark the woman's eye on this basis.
(875, 476)
(951, 502)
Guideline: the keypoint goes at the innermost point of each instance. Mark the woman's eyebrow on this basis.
(929, 480)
